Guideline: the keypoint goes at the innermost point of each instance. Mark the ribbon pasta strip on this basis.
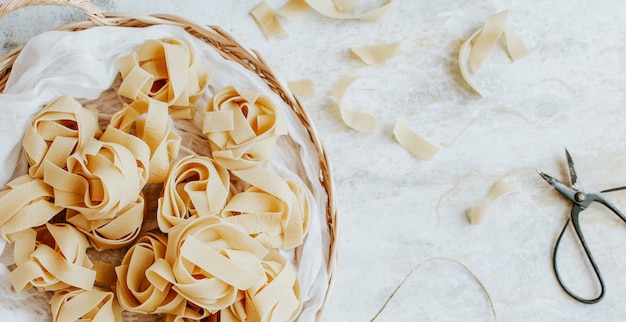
(151, 122)
(265, 17)
(360, 121)
(212, 260)
(242, 127)
(100, 180)
(478, 214)
(51, 257)
(273, 210)
(60, 128)
(330, 9)
(195, 187)
(293, 9)
(139, 286)
(482, 42)
(279, 299)
(111, 233)
(94, 305)
(27, 203)
(376, 54)
(165, 70)
(413, 142)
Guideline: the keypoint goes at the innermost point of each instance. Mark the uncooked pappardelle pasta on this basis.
(222, 219)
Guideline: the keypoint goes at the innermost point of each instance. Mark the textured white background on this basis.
(396, 210)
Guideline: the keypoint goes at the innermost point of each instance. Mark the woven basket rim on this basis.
(228, 48)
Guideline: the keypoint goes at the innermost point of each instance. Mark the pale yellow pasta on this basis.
(55, 132)
(111, 233)
(279, 299)
(486, 39)
(360, 121)
(165, 70)
(101, 179)
(304, 88)
(462, 53)
(212, 261)
(413, 142)
(51, 257)
(293, 9)
(138, 288)
(151, 123)
(514, 45)
(343, 5)
(265, 17)
(481, 43)
(242, 127)
(195, 187)
(478, 214)
(96, 305)
(376, 54)
(329, 9)
(273, 210)
(27, 203)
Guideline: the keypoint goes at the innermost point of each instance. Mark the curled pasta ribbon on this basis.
(279, 299)
(94, 305)
(273, 210)
(482, 42)
(242, 127)
(212, 261)
(101, 179)
(52, 257)
(152, 126)
(60, 128)
(27, 203)
(165, 70)
(139, 288)
(111, 233)
(195, 187)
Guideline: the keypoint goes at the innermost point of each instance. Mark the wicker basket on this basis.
(225, 45)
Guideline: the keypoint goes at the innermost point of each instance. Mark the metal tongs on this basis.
(580, 201)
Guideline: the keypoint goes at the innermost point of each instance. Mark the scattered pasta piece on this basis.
(165, 70)
(360, 121)
(376, 54)
(51, 258)
(481, 43)
(477, 214)
(272, 209)
(344, 5)
(304, 88)
(195, 187)
(462, 53)
(413, 142)
(486, 39)
(81, 305)
(265, 17)
(329, 9)
(60, 128)
(515, 45)
(242, 127)
(293, 9)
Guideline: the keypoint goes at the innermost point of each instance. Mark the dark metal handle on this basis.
(574, 219)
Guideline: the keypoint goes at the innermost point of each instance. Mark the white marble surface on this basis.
(397, 211)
